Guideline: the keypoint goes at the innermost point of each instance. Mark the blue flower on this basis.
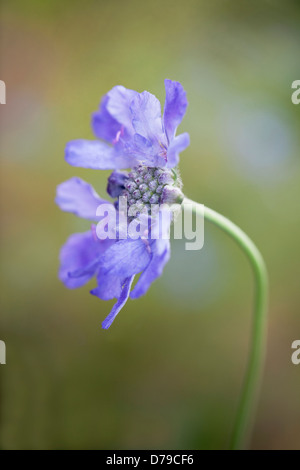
(134, 131)
(137, 138)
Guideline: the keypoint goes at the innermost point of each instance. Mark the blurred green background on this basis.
(168, 372)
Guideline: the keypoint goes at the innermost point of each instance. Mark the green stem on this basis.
(244, 417)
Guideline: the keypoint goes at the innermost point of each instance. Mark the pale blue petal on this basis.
(178, 144)
(175, 107)
(160, 256)
(95, 155)
(124, 259)
(146, 151)
(118, 106)
(103, 124)
(119, 304)
(147, 122)
(78, 252)
(78, 197)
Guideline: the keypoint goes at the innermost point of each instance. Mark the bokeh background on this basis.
(169, 371)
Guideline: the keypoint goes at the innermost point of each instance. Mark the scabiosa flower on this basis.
(137, 139)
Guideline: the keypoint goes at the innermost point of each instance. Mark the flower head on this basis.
(139, 139)
(134, 131)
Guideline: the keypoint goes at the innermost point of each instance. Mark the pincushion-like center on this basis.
(145, 185)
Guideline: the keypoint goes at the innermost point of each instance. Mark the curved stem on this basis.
(247, 403)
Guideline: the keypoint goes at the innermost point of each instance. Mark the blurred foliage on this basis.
(169, 371)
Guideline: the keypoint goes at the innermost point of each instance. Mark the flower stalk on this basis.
(244, 417)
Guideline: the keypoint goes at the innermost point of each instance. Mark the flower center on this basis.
(145, 185)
